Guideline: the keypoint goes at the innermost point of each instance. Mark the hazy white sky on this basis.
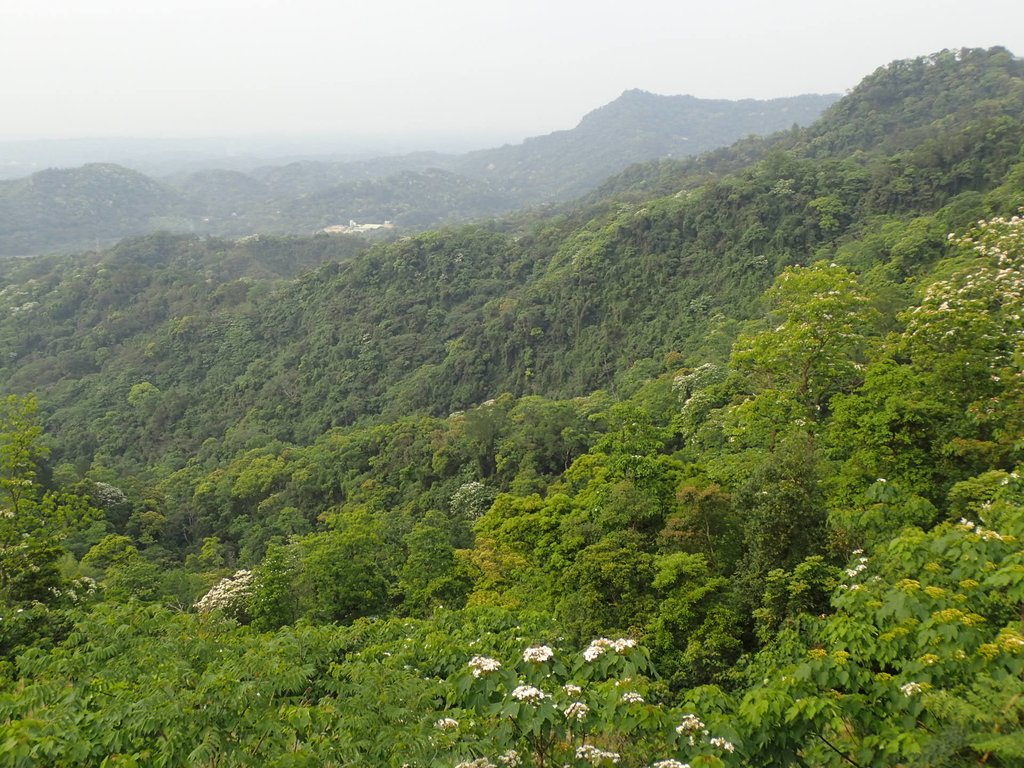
(500, 68)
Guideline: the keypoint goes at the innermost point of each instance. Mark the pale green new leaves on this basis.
(815, 347)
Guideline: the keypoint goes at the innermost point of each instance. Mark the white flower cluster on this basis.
(227, 594)
(859, 568)
(989, 295)
(471, 500)
(593, 755)
(482, 665)
(447, 724)
(723, 744)
(911, 689)
(26, 307)
(510, 759)
(693, 379)
(632, 697)
(572, 690)
(106, 494)
(576, 711)
(691, 726)
(480, 762)
(528, 694)
(600, 645)
(670, 763)
(984, 533)
(538, 653)
(82, 586)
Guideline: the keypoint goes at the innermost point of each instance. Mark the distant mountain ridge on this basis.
(99, 201)
(72, 208)
(635, 127)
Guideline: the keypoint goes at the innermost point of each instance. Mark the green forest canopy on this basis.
(725, 478)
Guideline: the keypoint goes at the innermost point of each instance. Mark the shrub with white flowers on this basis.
(577, 709)
(231, 594)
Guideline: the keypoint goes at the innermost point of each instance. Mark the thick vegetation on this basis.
(729, 478)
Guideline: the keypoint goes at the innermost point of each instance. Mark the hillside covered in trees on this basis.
(718, 466)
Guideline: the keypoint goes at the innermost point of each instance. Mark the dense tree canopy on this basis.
(727, 478)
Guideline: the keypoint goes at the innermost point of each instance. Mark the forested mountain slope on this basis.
(556, 306)
(828, 521)
(922, 107)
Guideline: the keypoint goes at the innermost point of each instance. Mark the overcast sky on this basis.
(495, 68)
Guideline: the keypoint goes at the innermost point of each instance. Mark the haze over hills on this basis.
(71, 208)
(164, 157)
(75, 207)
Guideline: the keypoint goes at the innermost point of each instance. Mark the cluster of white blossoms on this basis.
(528, 694)
(482, 665)
(106, 494)
(632, 697)
(510, 759)
(572, 690)
(538, 653)
(691, 727)
(690, 724)
(985, 533)
(593, 755)
(859, 568)
(82, 586)
(447, 724)
(990, 294)
(670, 763)
(600, 645)
(911, 689)
(576, 711)
(228, 593)
(723, 744)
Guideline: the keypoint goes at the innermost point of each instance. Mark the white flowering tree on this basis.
(945, 399)
(549, 707)
(232, 595)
